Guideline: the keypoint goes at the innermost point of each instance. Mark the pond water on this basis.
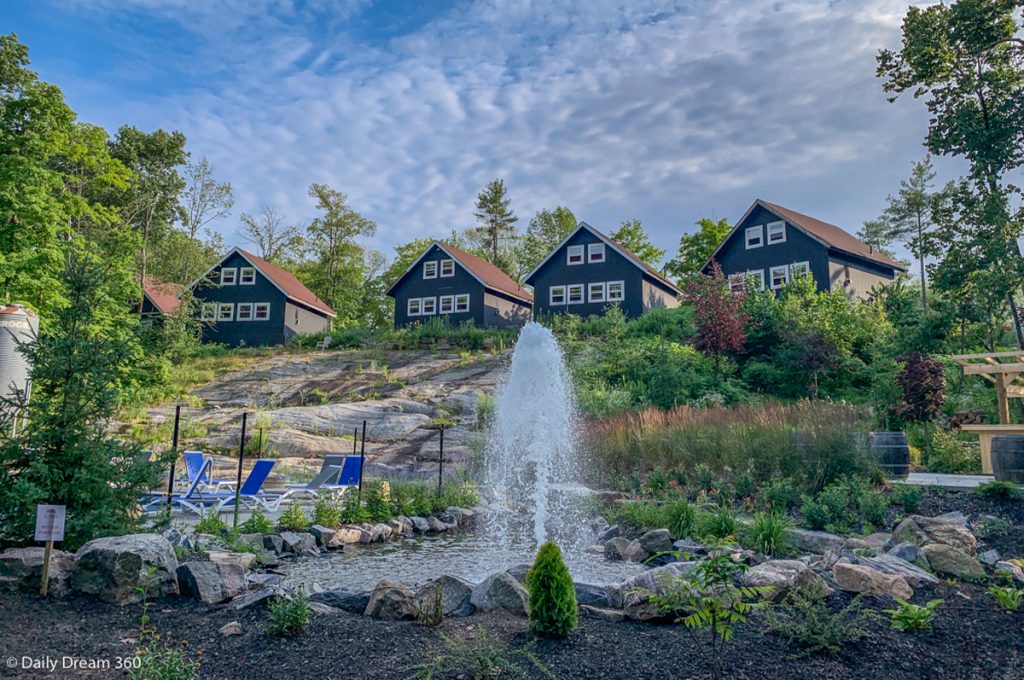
(415, 561)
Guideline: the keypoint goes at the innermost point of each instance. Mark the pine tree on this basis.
(553, 609)
(495, 217)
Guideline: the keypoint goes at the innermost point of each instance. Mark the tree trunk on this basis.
(924, 281)
(1016, 321)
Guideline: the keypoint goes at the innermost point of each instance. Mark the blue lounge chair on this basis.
(251, 493)
(154, 501)
(195, 462)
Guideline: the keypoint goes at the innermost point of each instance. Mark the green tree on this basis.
(496, 220)
(878, 235)
(275, 240)
(546, 230)
(695, 249)
(553, 610)
(632, 237)
(204, 200)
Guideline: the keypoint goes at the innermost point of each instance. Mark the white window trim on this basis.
(247, 317)
(231, 311)
(447, 264)
(575, 250)
(208, 312)
(265, 305)
(785, 274)
(737, 283)
(234, 276)
(608, 291)
(568, 293)
(773, 225)
(450, 299)
(593, 248)
(755, 274)
(430, 269)
(409, 307)
(251, 271)
(759, 229)
(795, 265)
(602, 287)
(433, 306)
(551, 296)
(462, 303)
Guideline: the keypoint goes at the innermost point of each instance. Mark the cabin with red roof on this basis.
(772, 245)
(448, 283)
(246, 301)
(159, 298)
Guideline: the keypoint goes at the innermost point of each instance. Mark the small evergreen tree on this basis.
(496, 220)
(553, 611)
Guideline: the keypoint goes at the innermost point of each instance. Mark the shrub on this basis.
(952, 456)
(872, 506)
(816, 515)
(704, 478)
(907, 497)
(912, 618)
(999, 491)
(412, 498)
(782, 495)
(719, 523)
(805, 619)
(768, 534)
(657, 483)
(290, 617)
(485, 404)
(293, 519)
(256, 524)
(679, 517)
(637, 516)
(378, 501)
(462, 495)
(327, 512)
(842, 505)
(743, 485)
(157, 661)
(352, 510)
(1008, 597)
(553, 610)
(211, 523)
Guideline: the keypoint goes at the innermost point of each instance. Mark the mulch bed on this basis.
(971, 638)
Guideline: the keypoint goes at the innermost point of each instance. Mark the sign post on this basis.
(49, 528)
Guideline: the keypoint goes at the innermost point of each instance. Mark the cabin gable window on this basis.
(244, 311)
(754, 236)
(447, 269)
(574, 255)
(247, 276)
(754, 278)
(228, 276)
(799, 270)
(556, 295)
(596, 292)
(209, 312)
(225, 311)
(595, 253)
(776, 232)
(413, 307)
(429, 306)
(447, 304)
(430, 269)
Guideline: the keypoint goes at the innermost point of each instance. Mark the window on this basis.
(263, 311)
(557, 294)
(430, 269)
(209, 312)
(595, 253)
(575, 255)
(755, 236)
(616, 291)
(413, 308)
(755, 279)
(776, 232)
(447, 269)
(247, 276)
(429, 306)
(737, 283)
(575, 295)
(800, 270)
(244, 311)
(780, 276)
(462, 302)
(447, 302)
(225, 311)
(595, 292)
(227, 276)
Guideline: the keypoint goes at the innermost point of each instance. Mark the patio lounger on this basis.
(158, 499)
(194, 463)
(251, 493)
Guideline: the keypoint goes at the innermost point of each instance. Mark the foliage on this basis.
(485, 405)
(631, 236)
(743, 485)
(156, 661)
(804, 618)
(431, 611)
(1008, 597)
(907, 497)
(327, 511)
(290, 616)
(546, 230)
(912, 618)
(718, 312)
(695, 249)
(412, 498)
(781, 496)
(553, 610)
(951, 455)
(767, 534)
(923, 381)
(352, 510)
(293, 519)
(999, 491)
(842, 505)
(461, 494)
(496, 221)
(680, 517)
(720, 523)
(378, 500)
(275, 241)
(482, 659)
(211, 523)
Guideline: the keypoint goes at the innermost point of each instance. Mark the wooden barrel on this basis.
(1008, 457)
(891, 453)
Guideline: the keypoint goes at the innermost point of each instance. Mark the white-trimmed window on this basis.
(776, 232)
(754, 236)
(595, 253)
(225, 311)
(209, 312)
(447, 304)
(430, 269)
(799, 270)
(244, 312)
(447, 269)
(429, 306)
(228, 276)
(615, 291)
(755, 279)
(574, 295)
(263, 312)
(574, 255)
(779, 276)
(413, 307)
(247, 276)
(737, 283)
(556, 295)
(596, 292)
(462, 302)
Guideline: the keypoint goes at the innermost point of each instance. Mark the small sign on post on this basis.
(49, 529)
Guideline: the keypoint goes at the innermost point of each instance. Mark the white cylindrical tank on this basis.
(18, 324)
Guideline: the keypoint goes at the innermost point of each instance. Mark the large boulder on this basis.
(323, 535)
(858, 578)
(298, 543)
(1011, 570)
(615, 548)
(353, 603)
(455, 596)
(211, 582)
(652, 580)
(346, 535)
(817, 542)
(391, 602)
(656, 541)
(914, 575)
(500, 591)
(780, 575)
(945, 559)
(420, 525)
(245, 560)
(945, 530)
(22, 568)
(118, 569)
(635, 552)
(595, 596)
(909, 552)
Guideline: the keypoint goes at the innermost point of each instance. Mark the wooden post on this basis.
(238, 481)
(46, 569)
(1002, 402)
(440, 461)
(362, 461)
(174, 461)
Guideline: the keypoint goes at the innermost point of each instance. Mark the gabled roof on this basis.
(483, 271)
(617, 247)
(163, 295)
(827, 234)
(282, 279)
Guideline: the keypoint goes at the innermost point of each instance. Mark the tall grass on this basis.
(809, 442)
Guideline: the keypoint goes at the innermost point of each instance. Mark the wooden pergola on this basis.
(1004, 371)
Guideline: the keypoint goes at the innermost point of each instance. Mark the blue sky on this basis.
(652, 109)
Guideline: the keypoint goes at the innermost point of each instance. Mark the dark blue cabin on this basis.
(445, 282)
(159, 299)
(588, 272)
(245, 300)
(772, 245)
